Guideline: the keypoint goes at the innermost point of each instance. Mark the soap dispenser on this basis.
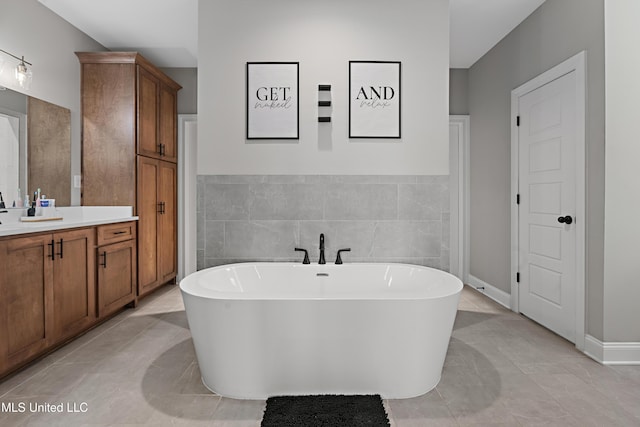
(32, 210)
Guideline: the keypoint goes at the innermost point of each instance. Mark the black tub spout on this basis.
(322, 261)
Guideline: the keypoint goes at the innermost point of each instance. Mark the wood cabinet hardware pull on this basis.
(52, 255)
(61, 253)
(119, 232)
(104, 262)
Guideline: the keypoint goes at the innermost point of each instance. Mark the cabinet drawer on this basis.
(113, 233)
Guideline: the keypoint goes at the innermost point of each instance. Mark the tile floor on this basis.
(501, 369)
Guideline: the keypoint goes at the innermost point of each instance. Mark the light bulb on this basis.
(23, 76)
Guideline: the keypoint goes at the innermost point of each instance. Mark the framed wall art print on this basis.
(374, 99)
(272, 100)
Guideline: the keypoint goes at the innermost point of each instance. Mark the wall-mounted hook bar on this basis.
(324, 100)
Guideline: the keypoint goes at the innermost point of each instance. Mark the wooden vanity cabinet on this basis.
(157, 116)
(116, 258)
(47, 292)
(129, 153)
(74, 286)
(157, 192)
(147, 99)
(129, 108)
(26, 299)
(168, 123)
(168, 221)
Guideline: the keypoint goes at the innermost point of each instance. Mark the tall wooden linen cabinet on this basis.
(129, 153)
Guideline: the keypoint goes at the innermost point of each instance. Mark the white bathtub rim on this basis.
(235, 296)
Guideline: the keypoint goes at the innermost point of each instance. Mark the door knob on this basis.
(565, 219)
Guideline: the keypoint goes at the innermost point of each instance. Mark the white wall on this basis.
(48, 42)
(622, 199)
(323, 36)
(188, 95)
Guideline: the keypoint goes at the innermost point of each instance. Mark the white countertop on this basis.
(72, 217)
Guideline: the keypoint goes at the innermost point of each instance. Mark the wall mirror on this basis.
(35, 148)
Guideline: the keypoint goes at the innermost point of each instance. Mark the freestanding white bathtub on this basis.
(269, 329)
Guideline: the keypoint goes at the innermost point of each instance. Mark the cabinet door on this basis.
(26, 298)
(116, 276)
(74, 298)
(167, 190)
(147, 211)
(168, 124)
(148, 86)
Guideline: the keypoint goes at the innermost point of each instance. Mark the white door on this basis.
(547, 137)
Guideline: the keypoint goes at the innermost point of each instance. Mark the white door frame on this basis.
(459, 199)
(187, 197)
(574, 64)
(23, 176)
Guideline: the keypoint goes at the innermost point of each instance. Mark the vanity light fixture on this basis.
(23, 74)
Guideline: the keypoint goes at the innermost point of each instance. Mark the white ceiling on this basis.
(478, 25)
(166, 31)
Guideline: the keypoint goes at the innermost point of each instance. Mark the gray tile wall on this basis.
(381, 218)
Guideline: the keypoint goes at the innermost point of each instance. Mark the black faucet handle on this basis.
(338, 257)
(306, 255)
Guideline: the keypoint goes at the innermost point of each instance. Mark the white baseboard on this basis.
(607, 353)
(498, 295)
(612, 353)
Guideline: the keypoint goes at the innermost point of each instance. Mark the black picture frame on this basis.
(272, 100)
(375, 99)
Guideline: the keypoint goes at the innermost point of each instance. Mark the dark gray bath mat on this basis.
(325, 411)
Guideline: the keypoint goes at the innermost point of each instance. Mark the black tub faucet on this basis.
(306, 255)
(339, 258)
(322, 261)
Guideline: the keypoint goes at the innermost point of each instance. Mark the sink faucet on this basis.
(322, 261)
